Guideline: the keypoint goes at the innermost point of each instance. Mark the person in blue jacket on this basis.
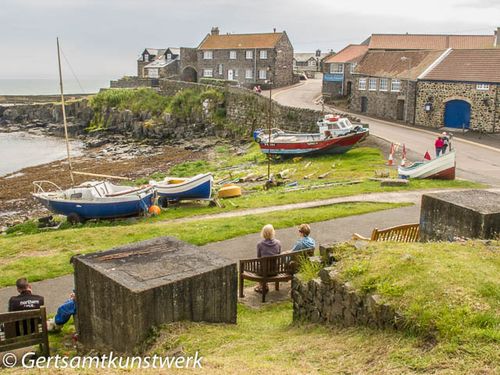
(304, 242)
(64, 313)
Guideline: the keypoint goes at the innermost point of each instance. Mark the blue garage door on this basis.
(457, 114)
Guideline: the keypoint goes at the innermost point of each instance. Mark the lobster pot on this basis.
(124, 292)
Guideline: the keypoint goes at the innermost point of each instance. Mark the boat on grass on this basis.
(336, 135)
(94, 200)
(441, 168)
(174, 189)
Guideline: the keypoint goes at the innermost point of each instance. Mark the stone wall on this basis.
(485, 104)
(329, 300)
(384, 104)
(131, 83)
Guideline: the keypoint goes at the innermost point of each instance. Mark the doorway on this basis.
(400, 110)
(457, 114)
(230, 74)
(364, 104)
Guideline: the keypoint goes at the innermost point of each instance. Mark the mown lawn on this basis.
(45, 255)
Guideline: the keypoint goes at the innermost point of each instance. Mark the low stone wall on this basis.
(131, 82)
(329, 300)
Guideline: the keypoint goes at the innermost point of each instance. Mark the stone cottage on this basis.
(338, 71)
(249, 59)
(309, 61)
(461, 90)
(158, 63)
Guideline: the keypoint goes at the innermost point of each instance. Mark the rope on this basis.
(72, 71)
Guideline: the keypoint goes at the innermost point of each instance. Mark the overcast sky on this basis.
(103, 37)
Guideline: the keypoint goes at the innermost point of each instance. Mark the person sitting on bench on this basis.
(26, 300)
(269, 246)
(304, 242)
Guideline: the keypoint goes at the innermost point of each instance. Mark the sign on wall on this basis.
(333, 77)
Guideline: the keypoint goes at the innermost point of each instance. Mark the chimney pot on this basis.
(274, 29)
(215, 30)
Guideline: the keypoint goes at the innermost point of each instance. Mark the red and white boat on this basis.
(440, 168)
(336, 135)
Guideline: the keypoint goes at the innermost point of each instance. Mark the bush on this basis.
(137, 100)
(218, 82)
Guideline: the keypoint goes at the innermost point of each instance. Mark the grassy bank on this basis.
(46, 255)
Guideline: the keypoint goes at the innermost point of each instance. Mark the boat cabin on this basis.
(332, 125)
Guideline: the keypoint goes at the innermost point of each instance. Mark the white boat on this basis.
(334, 125)
(441, 168)
(174, 189)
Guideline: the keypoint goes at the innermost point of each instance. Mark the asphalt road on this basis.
(474, 161)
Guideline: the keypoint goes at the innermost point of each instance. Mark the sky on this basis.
(102, 38)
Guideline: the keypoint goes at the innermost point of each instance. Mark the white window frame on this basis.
(263, 54)
(262, 74)
(145, 57)
(169, 56)
(336, 68)
(208, 55)
(482, 87)
(221, 69)
(248, 74)
(249, 54)
(153, 73)
(208, 73)
(232, 55)
(352, 66)
(362, 84)
(372, 84)
(381, 84)
(235, 72)
(394, 83)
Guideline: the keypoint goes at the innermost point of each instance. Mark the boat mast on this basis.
(64, 114)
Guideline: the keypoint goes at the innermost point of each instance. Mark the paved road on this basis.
(474, 162)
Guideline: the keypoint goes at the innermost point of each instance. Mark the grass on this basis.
(448, 290)
(45, 255)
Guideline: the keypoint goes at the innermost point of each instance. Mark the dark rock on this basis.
(394, 182)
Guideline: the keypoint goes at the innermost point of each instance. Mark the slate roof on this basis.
(351, 53)
(429, 41)
(389, 64)
(306, 56)
(479, 65)
(240, 41)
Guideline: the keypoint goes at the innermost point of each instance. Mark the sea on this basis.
(50, 86)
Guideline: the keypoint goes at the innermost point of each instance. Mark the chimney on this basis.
(497, 37)
(274, 29)
(215, 30)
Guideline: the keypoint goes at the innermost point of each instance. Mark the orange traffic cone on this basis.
(390, 161)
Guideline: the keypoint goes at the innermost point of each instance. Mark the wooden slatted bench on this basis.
(21, 329)
(277, 268)
(399, 233)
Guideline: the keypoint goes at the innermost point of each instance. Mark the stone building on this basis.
(338, 71)
(386, 80)
(309, 61)
(158, 63)
(249, 59)
(461, 90)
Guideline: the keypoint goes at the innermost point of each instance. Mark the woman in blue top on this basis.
(304, 242)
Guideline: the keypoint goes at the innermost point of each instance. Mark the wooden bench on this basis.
(21, 329)
(277, 268)
(400, 233)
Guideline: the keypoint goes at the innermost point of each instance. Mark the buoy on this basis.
(229, 191)
(154, 210)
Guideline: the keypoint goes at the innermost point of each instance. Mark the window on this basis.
(352, 67)
(362, 84)
(208, 55)
(221, 69)
(337, 68)
(395, 85)
(208, 73)
(311, 62)
(232, 55)
(372, 84)
(169, 56)
(262, 74)
(153, 73)
(263, 55)
(249, 55)
(248, 74)
(236, 72)
(384, 84)
(482, 87)
(145, 57)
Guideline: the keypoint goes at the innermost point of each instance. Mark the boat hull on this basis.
(441, 168)
(197, 188)
(337, 145)
(133, 206)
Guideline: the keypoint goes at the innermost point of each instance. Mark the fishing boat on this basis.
(175, 189)
(441, 168)
(94, 200)
(336, 135)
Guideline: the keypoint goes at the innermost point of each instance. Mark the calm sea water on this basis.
(49, 86)
(20, 150)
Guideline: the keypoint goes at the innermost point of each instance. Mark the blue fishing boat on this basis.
(94, 200)
(175, 189)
